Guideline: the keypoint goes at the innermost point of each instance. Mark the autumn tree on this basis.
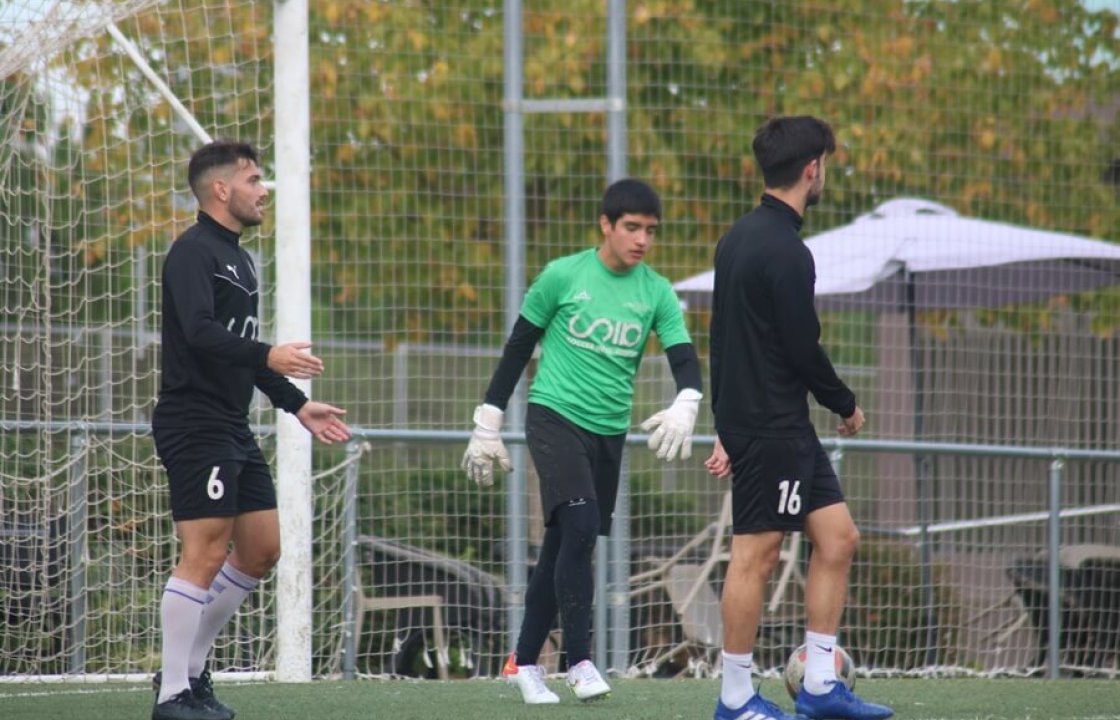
(998, 109)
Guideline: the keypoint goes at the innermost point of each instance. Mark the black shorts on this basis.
(777, 482)
(573, 463)
(214, 472)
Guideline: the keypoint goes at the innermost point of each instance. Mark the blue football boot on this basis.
(839, 703)
(757, 708)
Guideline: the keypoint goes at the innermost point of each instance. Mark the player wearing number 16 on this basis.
(221, 487)
(592, 313)
(766, 358)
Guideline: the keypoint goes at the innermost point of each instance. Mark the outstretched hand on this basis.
(324, 422)
(671, 429)
(293, 360)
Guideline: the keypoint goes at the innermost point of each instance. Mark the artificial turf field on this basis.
(912, 699)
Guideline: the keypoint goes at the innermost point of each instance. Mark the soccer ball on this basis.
(795, 669)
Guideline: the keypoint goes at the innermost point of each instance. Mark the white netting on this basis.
(32, 32)
(92, 191)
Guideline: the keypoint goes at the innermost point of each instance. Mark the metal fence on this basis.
(429, 159)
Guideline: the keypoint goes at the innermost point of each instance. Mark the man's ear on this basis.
(219, 189)
(604, 224)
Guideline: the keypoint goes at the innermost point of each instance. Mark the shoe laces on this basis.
(585, 672)
(842, 691)
(203, 686)
(535, 674)
(770, 707)
(183, 697)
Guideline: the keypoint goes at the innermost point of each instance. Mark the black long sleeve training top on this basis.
(765, 335)
(211, 357)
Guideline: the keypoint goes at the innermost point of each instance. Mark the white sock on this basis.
(738, 687)
(227, 592)
(180, 611)
(820, 667)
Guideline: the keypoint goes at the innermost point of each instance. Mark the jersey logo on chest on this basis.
(619, 333)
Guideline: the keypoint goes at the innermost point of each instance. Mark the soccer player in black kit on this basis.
(765, 359)
(220, 484)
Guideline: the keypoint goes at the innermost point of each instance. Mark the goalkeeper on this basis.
(592, 312)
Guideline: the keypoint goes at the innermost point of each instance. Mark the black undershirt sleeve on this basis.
(515, 356)
(685, 365)
(281, 391)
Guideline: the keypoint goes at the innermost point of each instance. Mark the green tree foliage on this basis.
(99, 159)
(988, 107)
(999, 109)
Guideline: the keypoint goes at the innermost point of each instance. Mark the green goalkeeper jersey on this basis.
(596, 325)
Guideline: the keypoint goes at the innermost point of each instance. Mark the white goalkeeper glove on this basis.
(486, 446)
(674, 426)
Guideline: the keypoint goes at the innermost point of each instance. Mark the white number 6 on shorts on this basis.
(215, 488)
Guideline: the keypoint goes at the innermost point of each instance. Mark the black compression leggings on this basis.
(562, 581)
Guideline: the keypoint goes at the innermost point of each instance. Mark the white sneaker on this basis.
(529, 679)
(586, 682)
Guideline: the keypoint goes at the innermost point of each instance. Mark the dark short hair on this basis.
(785, 144)
(630, 196)
(218, 153)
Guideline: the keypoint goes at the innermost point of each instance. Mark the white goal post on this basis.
(293, 322)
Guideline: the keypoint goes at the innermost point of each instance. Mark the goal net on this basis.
(92, 190)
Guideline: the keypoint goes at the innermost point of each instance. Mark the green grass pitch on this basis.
(912, 699)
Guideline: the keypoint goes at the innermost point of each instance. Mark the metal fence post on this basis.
(618, 592)
(1057, 469)
(350, 575)
(77, 552)
(925, 548)
(513, 129)
(612, 591)
(599, 630)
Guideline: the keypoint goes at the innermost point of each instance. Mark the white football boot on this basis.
(529, 679)
(586, 682)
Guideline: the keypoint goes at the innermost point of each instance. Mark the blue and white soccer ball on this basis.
(795, 669)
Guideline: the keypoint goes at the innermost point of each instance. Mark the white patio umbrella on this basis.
(911, 254)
